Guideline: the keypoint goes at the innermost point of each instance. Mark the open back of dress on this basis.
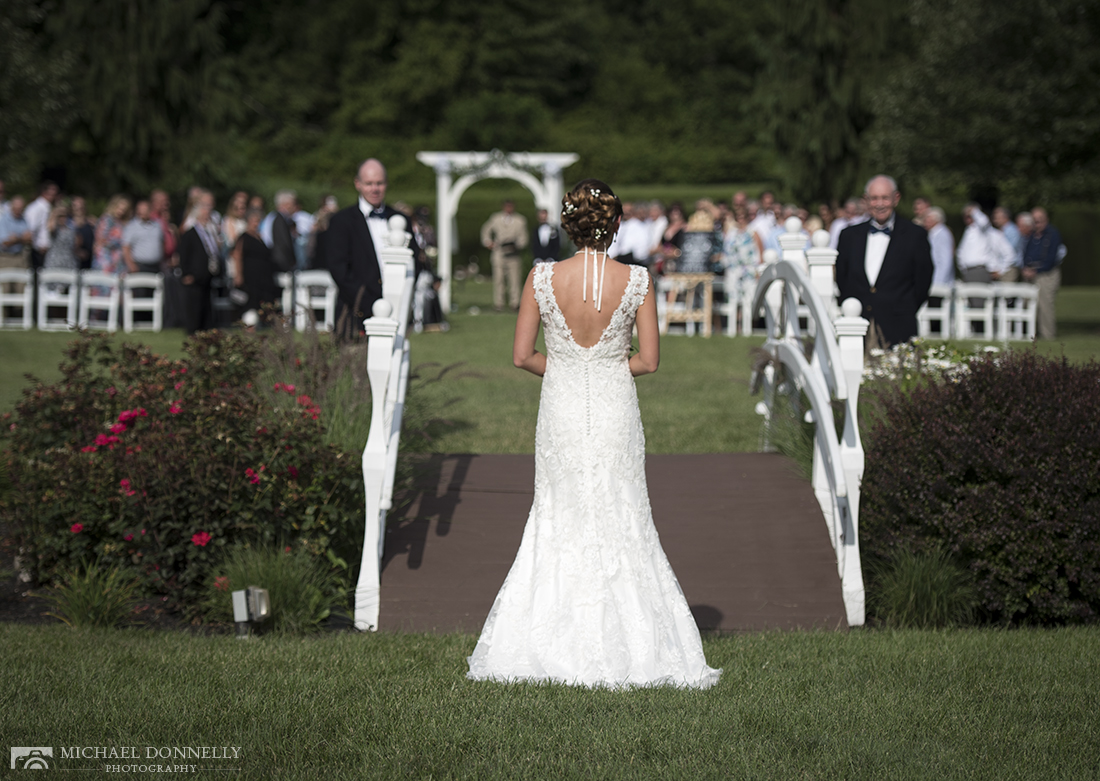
(591, 599)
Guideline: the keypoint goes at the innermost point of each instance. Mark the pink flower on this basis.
(289, 388)
(287, 549)
(124, 487)
(143, 531)
(88, 449)
(250, 473)
(128, 537)
(111, 391)
(293, 471)
(118, 428)
(200, 538)
(304, 400)
(179, 384)
(221, 583)
(76, 528)
(175, 409)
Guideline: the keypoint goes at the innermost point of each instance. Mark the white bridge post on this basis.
(387, 371)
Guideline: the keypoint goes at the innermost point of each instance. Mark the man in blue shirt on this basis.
(15, 235)
(1042, 257)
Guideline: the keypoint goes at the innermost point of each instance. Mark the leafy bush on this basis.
(1001, 466)
(303, 589)
(923, 591)
(163, 466)
(93, 597)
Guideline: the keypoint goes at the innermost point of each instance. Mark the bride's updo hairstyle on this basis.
(590, 213)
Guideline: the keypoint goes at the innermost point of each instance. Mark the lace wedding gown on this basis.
(591, 599)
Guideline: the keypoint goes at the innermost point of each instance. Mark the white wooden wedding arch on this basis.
(456, 172)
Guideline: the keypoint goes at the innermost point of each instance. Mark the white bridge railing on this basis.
(388, 372)
(830, 373)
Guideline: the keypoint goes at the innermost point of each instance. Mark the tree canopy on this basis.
(808, 96)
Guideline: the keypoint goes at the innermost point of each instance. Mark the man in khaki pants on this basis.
(1042, 256)
(505, 234)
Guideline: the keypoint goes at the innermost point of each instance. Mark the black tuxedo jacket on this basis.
(548, 251)
(354, 265)
(194, 261)
(902, 284)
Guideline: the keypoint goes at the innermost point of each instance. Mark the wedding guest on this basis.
(672, 240)
(200, 259)
(852, 214)
(631, 245)
(85, 232)
(1025, 225)
(1002, 221)
(741, 254)
(5, 205)
(942, 244)
(143, 242)
(233, 224)
(658, 221)
(284, 230)
(545, 241)
(505, 234)
(15, 235)
(984, 253)
(36, 215)
(921, 206)
(1042, 257)
(303, 226)
(160, 205)
(62, 251)
(253, 268)
(108, 235)
(826, 215)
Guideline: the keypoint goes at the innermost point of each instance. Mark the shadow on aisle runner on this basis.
(742, 531)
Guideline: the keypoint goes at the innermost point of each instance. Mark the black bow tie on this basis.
(379, 213)
(884, 229)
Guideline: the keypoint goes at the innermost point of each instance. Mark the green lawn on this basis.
(697, 403)
(856, 705)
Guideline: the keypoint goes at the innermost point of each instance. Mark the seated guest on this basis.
(85, 232)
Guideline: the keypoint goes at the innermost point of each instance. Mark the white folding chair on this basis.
(153, 303)
(974, 305)
(99, 292)
(50, 301)
(23, 299)
(934, 317)
(1017, 304)
(315, 293)
(685, 311)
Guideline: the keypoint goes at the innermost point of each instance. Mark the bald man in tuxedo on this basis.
(886, 263)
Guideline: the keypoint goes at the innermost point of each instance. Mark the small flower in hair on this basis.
(599, 233)
(594, 192)
(570, 207)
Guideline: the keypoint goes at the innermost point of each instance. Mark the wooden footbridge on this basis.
(743, 532)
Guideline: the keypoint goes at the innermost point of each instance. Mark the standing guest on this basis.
(921, 206)
(942, 244)
(62, 251)
(354, 245)
(108, 236)
(886, 264)
(657, 224)
(741, 254)
(303, 235)
(85, 233)
(984, 253)
(253, 269)
(318, 241)
(233, 224)
(632, 243)
(160, 206)
(826, 215)
(505, 234)
(1025, 226)
(284, 230)
(1042, 257)
(545, 241)
(143, 242)
(5, 204)
(200, 260)
(15, 235)
(1002, 221)
(36, 215)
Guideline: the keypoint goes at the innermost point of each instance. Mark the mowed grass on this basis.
(698, 402)
(856, 705)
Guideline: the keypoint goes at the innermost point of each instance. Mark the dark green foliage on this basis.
(921, 591)
(1001, 94)
(303, 589)
(163, 466)
(93, 596)
(1002, 469)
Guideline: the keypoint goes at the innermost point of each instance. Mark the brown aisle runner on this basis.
(742, 531)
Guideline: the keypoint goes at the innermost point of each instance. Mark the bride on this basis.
(591, 599)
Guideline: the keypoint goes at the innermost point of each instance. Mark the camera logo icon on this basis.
(31, 757)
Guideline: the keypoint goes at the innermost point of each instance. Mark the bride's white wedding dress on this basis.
(591, 599)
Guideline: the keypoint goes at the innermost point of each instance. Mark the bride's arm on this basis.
(524, 354)
(647, 358)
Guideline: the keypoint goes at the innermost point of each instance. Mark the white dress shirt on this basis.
(37, 215)
(377, 225)
(877, 243)
(983, 245)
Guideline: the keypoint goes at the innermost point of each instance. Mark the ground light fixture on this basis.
(251, 605)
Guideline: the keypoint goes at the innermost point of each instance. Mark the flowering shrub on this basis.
(161, 466)
(917, 359)
(1002, 468)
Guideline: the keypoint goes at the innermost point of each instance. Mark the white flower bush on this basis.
(918, 357)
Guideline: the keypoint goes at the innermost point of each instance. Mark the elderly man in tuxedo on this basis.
(354, 248)
(886, 263)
